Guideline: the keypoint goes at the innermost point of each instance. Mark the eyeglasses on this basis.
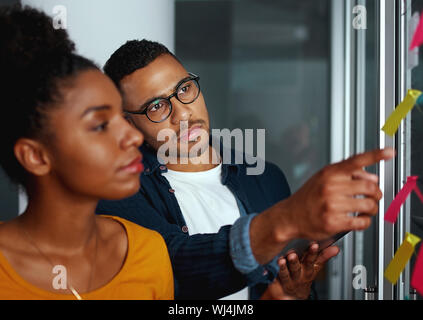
(159, 109)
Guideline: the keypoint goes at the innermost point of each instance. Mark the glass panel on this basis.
(265, 65)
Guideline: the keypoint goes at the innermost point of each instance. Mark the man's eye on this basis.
(155, 107)
(184, 89)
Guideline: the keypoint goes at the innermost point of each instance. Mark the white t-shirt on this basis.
(206, 204)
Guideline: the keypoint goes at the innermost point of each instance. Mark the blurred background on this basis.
(321, 76)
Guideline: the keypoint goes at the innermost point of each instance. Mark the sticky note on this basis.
(419, 193)
(418, 35)
(417, 277)
(391, 214)
(392, 124)
(401, 258)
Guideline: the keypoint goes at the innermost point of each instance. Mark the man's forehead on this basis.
(153, 80)
(163, 68)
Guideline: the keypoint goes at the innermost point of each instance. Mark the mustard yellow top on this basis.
(145, 275)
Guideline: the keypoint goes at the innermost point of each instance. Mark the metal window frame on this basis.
(402, 289)
(348, 135)
(339, 125)
(387, 10)
(346, 127)
(344, 82)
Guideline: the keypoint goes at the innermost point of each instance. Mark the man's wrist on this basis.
(271, 231)
(284, 222)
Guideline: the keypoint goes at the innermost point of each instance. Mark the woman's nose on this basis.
(132, 137)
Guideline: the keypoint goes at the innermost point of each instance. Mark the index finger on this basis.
(368, 158)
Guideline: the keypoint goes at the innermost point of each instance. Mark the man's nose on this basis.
(181, 112)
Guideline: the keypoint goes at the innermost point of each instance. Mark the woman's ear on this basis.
(32, 156)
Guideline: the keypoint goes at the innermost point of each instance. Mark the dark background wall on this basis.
(8, 192)
(6, 2)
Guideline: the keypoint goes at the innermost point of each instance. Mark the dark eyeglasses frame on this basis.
(144, 107)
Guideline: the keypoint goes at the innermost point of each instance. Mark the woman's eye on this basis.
(101, 127)
(127, 118)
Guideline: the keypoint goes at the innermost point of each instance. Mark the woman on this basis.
(64, 138)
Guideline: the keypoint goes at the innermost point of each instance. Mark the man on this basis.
(224, 228)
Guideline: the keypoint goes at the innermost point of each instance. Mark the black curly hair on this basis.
(133, 55)
(36, 62)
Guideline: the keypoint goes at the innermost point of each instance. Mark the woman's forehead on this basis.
(88, 89)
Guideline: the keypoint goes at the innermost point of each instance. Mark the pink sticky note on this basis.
(417, 278)
(393, 210)
(419, 193)
(418, 35)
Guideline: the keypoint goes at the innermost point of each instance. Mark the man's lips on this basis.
(191, 134)
(135, 166)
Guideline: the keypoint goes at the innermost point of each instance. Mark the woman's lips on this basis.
(135, 166)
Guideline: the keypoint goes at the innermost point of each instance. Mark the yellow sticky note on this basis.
(394, 120)
(401, 258)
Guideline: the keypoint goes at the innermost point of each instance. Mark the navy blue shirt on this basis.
(202, 264)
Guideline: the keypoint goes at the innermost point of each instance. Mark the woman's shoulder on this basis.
(147, 259)
(10, 236)
(136, 234)
(14, 250)
(146, 249)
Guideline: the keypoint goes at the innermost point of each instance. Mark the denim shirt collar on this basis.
(152, 164)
